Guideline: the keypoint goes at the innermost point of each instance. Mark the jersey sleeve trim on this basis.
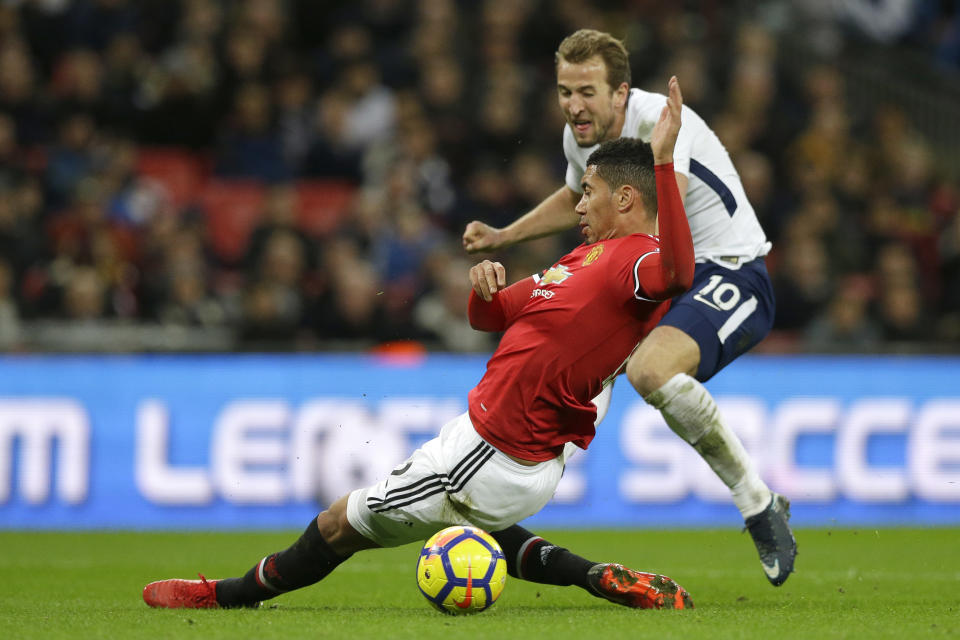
(637, 289)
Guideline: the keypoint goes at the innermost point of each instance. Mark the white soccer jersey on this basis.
(724, 226)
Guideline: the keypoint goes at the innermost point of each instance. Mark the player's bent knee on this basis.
(666, 352)
(330, 526)
(338, 532)
(646, 375)
(641, 379)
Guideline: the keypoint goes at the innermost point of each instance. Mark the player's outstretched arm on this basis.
(556, 213)
(492, 304)
(676, 244)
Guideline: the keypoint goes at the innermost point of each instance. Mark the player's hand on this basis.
(665, 132)
(481, 237)
(487, 278)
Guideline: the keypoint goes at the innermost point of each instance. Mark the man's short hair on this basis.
(628, 161)
(582, 45)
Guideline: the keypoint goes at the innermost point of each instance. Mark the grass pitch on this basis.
(886, 583)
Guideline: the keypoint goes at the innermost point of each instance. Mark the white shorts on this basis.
(455, 479)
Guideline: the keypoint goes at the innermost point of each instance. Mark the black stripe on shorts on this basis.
(433, 484)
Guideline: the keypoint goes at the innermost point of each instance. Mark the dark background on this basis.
(270, 175)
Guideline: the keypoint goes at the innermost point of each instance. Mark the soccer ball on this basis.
(461, 570)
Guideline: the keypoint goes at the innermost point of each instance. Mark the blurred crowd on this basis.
(423, 115)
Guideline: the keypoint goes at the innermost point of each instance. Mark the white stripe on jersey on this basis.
(636, 278)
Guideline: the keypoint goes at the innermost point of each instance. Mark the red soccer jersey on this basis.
(567, 330)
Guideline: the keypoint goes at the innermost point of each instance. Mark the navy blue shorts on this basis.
(726, 311)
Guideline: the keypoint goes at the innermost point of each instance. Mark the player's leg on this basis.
(724, 314)
(530, 557)
(407, 505)
(662, 371)
(326, 542)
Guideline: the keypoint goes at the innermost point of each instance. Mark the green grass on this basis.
(887, 583)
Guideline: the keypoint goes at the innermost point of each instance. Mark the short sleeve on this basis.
(575, 166)
(573, 178)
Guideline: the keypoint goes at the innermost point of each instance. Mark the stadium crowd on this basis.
(296, 174)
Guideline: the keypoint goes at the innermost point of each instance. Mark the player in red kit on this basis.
(567, 331)
(571, 328)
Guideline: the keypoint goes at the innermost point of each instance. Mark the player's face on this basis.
(591, 107)
(598, 216)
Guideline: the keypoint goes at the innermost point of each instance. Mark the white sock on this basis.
(691, 412)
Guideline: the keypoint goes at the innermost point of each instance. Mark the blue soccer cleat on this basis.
(774, 540)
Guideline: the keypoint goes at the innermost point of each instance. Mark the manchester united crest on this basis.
(593, 255)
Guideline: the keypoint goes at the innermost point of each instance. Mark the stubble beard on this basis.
(600, 135)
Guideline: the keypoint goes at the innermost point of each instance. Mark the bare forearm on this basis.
(553, 215)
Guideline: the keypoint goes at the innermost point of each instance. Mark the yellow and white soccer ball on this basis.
(461, 570)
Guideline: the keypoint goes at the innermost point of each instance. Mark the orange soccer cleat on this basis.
(182, 594)
(636, 589)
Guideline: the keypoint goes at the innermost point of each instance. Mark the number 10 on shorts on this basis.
(724, 296)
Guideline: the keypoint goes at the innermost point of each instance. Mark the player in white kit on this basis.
(727, 311)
